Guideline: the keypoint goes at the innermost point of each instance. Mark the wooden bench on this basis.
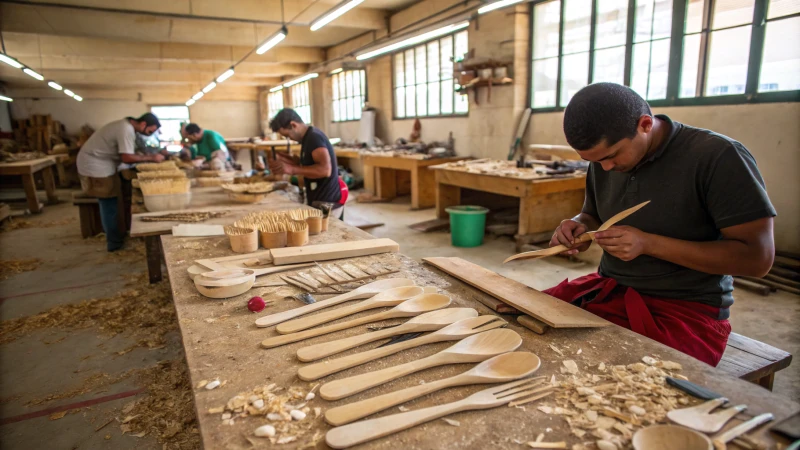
(89, 213)
(752, 360)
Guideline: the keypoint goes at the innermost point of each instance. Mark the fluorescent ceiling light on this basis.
(197, 96)
(190, 102)
(335, 141)
(335, 71)
(54, 85)
(210, 86)
(301, 79)
(225, 75)
(273, 41)
(68, 92)
(33, 74)
(334, 13)
(276, 88)
(497, 5)
(414, 40)
(78, 98)
(6, 99)
(10, 61)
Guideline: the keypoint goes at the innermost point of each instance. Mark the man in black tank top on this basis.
(317, 162)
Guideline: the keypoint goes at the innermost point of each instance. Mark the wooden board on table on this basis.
(325, 252)
(550, 310)
(431, 225)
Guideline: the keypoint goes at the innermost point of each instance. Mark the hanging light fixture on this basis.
(6, 99)
(273, 40)
(10, 61)
(55, 85)
(414, 40)
(277, 88)
(198, 96)
(497, 5)
(190, 102)
(334, 13)
(78, 98)
(225, 75)
(300, 80)
(210, 86)
(33, 73)
(335, 71)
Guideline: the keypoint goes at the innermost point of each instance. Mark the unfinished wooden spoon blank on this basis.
(702, 419)
(723, 438)
(670, 437)
(243, 240)
(272, 240)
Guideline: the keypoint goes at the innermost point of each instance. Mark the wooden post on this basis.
(423, 188)
(49, 185)
(152, 245)
(369, 178)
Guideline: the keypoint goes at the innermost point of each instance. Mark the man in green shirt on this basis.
(209, 148)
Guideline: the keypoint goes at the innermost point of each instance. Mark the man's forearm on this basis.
(723, 257)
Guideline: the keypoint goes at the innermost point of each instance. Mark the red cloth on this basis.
(689, 327)
(345, 191)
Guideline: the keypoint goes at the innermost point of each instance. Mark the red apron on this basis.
(689, 327)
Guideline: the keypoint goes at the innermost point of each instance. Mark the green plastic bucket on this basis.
(467, 225)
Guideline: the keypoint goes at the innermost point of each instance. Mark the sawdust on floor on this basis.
(10, 267)
(20, 224)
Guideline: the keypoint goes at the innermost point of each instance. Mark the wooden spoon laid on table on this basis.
(431, 321)
(500, 369)
(409, 308)
(367, 430)
(392, 297)
(585, 237)
(233, 273)
(457, 331)
(720, 441)
(469, 350)
(366, 291)
(701, 418)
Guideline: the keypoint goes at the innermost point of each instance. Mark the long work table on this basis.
(221, 343)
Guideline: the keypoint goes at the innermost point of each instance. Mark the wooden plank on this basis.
(550, 310)
(339, 250)
(761, 349)
(541, 213)
(431, 225)
(487, 183)
(532, 324)
(25, 167)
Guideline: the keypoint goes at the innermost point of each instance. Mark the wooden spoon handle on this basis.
(318, 351)
(348, 413)
(304, 323)
(585, 237)
(272, 319)
(322, 369)
(367, 430)
(294, 337)
(276, 269)
(353, 385)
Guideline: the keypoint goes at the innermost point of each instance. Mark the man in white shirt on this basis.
(99, 159)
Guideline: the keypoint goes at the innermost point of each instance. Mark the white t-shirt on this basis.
(100, 155)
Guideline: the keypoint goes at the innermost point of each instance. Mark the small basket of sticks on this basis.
(243, 240)
(296, 233)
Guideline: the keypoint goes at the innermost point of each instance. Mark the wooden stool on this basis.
(89, 212)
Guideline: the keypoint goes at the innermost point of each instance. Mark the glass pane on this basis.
(447, 97)
(360, 103)
(461, 104)
(694, 16)
(728, 13)
(727, 61)
(433, 61)
(462, 47)
(653, 20)
(780, 69)
(342, 109)
(336, 117)
(609, 65)
(400, 102)
(420, 63)
(577, 25)
(399, 70)
(546, 19)
(434, 99)
(357, 83)
(171, 112)
(363, 86)
(411, 111)
(545, 74)
(409, 58)
(691, 58)
(649, 69)
(422, 100)
(780, 8)
(335, 84)
(611, 24)
(574, 73)
(349, 108)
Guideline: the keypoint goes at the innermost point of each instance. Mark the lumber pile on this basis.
(40, 133)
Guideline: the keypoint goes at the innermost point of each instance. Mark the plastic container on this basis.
(167, 202)
(467, 225)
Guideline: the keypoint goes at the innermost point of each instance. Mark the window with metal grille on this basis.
(349, 94)
(301, 101)
(274, 103)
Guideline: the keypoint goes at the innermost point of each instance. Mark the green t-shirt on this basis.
(211, 142)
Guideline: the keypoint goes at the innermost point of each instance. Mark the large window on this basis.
(423, 79)
(301, 101)
(274, 103)
(349, 94)
(171, 118)
(672, 52)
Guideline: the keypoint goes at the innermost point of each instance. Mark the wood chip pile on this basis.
(161, 186)
(152, 167)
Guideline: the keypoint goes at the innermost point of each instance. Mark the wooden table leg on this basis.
(152, 245)
(30, 193)
(446, 195)
(423, 188)
(369, 179)
(386, 183)
(50, 185)
(62, 174)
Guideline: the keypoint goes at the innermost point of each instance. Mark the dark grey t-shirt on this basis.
(699, 182)
(320, 189)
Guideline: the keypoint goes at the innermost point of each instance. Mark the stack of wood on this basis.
(39, 133)
(784, 275)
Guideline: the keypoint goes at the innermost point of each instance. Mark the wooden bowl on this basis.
(670, 437)
(225, 287)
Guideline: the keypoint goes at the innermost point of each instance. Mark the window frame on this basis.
(279, 93)
(679, 7)
(363, 95)
(162, 119)
(455, 80)
(296, 87)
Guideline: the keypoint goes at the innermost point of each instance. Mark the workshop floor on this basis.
(70, 371)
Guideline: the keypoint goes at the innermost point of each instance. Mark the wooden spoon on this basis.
(500, 369)
(366, 291)
(700, 417)
(585, 237)
(469, 350)
(454, 332)
(233, 273)
(720, 441)
(417, 305)
(431, 321)
(392, 297)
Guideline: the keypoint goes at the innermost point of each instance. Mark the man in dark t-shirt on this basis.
(317, 162)
(666, 271)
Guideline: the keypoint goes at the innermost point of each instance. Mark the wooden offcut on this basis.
(550, 310)
(325, 252)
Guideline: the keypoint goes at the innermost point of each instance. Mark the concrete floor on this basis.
(50, 361)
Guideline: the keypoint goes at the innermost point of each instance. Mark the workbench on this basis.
(222, 342)
(388, 176)
(27, 170)
(266, 146)
(543, 201)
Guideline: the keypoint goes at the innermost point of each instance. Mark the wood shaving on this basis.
(556, 349)
(452, 422)
(545, 445)
(570, 367)
(9, 267)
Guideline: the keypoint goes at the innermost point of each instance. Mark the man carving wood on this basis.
(667, 272)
